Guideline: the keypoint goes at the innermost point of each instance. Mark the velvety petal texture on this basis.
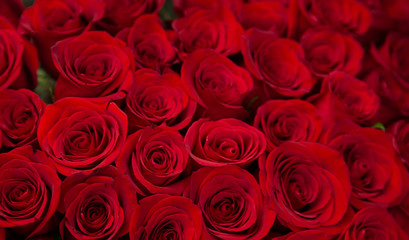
(167, 217)
(154, 159)
(307, 184)
(96, 206)
(91, 65)
(80, 135)
(224, 142)
(30, 191)
(231, 203)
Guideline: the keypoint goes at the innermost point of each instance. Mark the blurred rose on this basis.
(48, 22)
(327, 50)
(215, 29)
(288, 120)
(216, 83)
(150, 44)
(277, 62)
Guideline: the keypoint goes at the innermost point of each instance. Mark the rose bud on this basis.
(327, 50)
(121, 14)
(308, 185)
(215, 29)
(377, 174)
(20, 112)
(156, 99)
(154, 159)
(30, 191)
(373, 223)
(92, 65)
(80, 136)
(149, 43)
(48, 22)
(96, 206)
(19, 59)
(167, 217)
(231, 203)
(288, 120)
(224, 142)
(216, 83)
(277, 62)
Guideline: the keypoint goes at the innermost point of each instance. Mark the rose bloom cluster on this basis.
(204, 119)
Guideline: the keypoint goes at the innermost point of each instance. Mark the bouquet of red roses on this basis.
(193, 119)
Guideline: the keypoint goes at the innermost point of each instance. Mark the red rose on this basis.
(303, 235)
(215, 29)
(216, 83)
(12, 10)
(308, 185)
(231, 202)
(277, 62)
(343, 96)
(401, 213)
(400, 134)
(123, 13)
(373, 223)
(288, 120)
(224, 142)
(93, 64)
(391, 79)
(346, 15)
(80, 135)
(182, 5)
(167, 217)
(20, 112)
(19, 60)
(48, 22)
(265, 15)
(158, 99)
(327, 50)
(96, 206)
(149, 43)
(376, 172)
(397, 10)
(154, 158)
(30, 191)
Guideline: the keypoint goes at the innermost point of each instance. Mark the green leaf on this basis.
(167, 12)
(250, 104)
(28, 3)
(45, 86)
(379, 125)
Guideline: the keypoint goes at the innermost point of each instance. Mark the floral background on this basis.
(192, 119)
